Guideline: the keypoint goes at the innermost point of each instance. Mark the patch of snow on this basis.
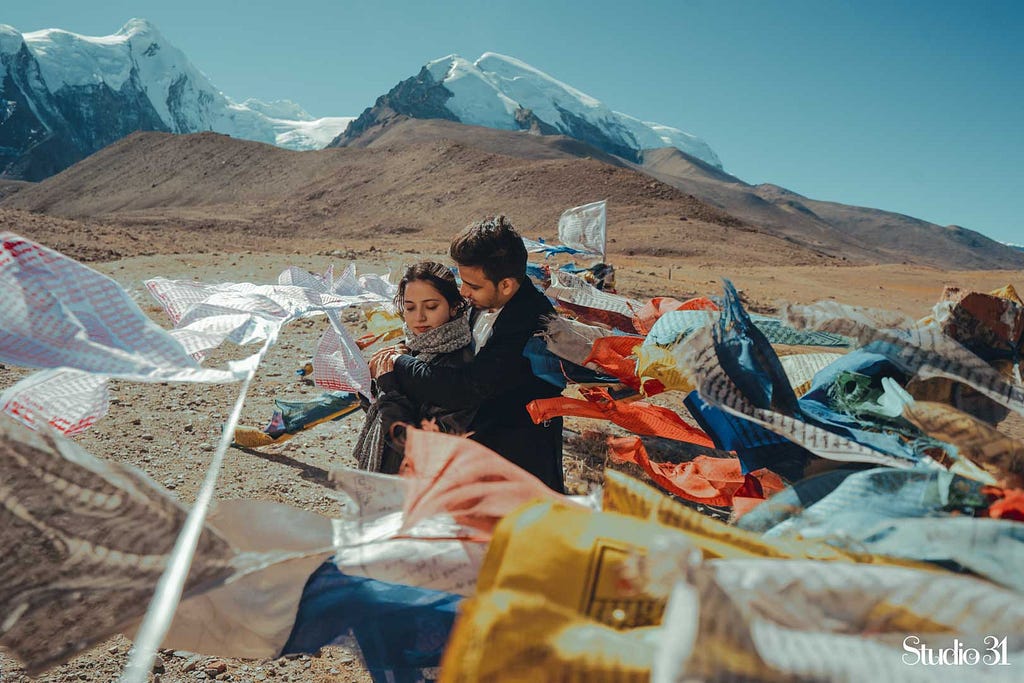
(10, 40)
(69, 59)
(307, 135)
(439, 68)
(278, 109)
(475, 99)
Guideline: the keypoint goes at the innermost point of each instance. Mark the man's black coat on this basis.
(499, 382)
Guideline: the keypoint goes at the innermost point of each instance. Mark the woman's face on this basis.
(425, 307)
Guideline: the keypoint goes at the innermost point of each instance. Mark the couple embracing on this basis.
(462, 362)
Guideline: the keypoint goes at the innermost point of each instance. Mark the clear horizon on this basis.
(912, 107)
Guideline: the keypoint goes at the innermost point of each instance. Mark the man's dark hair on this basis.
(492, 245)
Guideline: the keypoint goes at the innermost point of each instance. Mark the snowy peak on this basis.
(70, 59)
(140, 27)
(498, 91)
(517, 78)
(80, 93)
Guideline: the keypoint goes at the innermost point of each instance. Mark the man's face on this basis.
(481, 292)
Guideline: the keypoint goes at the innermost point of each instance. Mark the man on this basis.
(507, 312)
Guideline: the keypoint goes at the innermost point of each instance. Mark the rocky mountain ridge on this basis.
(501, 92)
(64, 96)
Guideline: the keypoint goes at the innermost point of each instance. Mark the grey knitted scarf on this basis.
(451, 336)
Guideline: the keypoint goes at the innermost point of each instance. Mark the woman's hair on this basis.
(440, 277)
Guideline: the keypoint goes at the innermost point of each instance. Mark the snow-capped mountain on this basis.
(502, 92)
(64, 96)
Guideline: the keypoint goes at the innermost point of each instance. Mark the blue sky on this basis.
(914, 107)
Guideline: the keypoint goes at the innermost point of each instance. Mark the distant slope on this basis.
(898, 234)
(403, 130)
(857, 233)
(417, 183)
(10, 187)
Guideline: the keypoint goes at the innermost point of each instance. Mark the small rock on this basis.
(192, 663)
(112, 649)
(158, 666)
(147, 437)
(215, 667)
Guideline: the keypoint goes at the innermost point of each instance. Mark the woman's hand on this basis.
(383, 361)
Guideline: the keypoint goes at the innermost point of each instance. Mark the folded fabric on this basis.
(636, 416)
(400, 630)
(703, 479)
(558, 371)
(614, 355)
(913, 514)
(292, 417)
(755, 445)
(985, 446)
(715, 538)
(800, 620)
(653, 310)
(458, 477)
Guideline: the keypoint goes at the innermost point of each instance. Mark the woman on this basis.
(437, 332)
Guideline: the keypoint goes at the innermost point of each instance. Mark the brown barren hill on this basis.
(420, 186)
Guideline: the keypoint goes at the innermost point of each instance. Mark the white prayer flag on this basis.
(69, 400)
(583, 228)
(55, 312)
(337, 364)
(573, 289)
(83, 328)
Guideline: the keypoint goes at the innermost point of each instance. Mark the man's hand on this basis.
(383, 361)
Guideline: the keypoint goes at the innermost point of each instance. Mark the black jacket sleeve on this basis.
(394, 405)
